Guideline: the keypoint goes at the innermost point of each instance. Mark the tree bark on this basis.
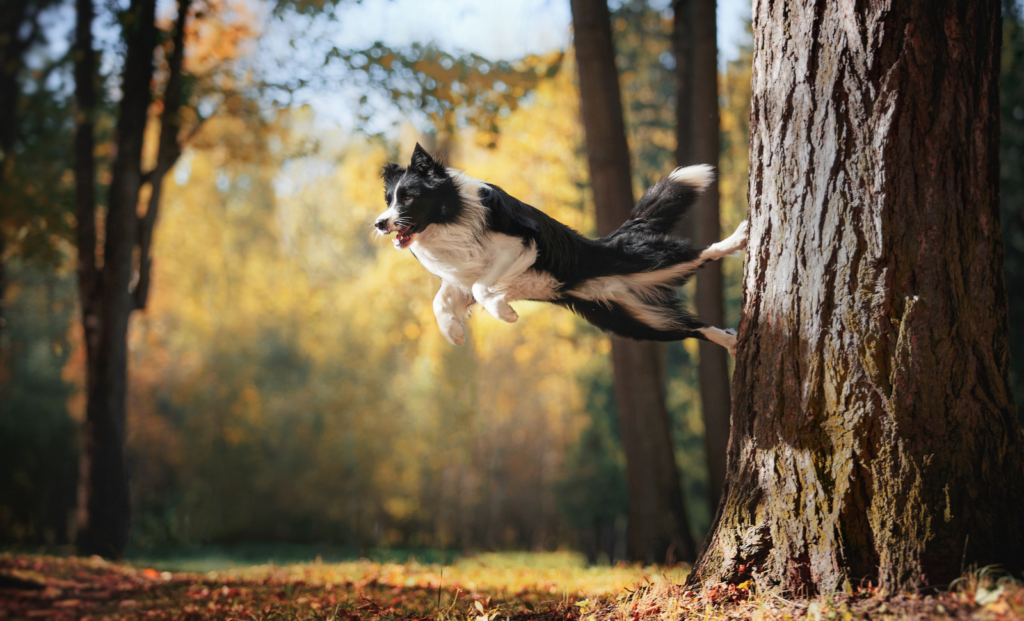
(658, 525)
(874, 433)
(694, 40)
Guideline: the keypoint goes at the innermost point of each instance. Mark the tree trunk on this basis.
(106, 531)
(13, 44)
(658, 525)
(694, 40)
(85, 214)
(874, 434)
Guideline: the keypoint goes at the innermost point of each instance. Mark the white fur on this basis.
(731, 245)
(699, 176)
(725, 338)
(474, 264)
(393, 207)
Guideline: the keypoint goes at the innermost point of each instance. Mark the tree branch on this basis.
(168, 152)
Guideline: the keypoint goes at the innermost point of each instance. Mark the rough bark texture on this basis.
(713, 371)
(874, 434)
(658, 525)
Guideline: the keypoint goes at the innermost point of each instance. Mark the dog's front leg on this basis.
(451, 307)
(494, 302)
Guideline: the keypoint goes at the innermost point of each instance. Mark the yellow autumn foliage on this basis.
(300, 350)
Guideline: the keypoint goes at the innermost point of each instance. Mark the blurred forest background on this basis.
(287, 380)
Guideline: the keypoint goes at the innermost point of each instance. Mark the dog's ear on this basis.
(391, 174)
(423, 163)
(421, 160)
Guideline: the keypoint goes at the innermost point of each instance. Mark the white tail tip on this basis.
(698, 177)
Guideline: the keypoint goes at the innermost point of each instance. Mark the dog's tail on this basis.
(665, 203)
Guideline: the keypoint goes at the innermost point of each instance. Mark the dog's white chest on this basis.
(490, 258)
(462, 266)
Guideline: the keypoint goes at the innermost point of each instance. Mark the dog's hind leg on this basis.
(451, 307)
(510, 259)
(725, 338)
(734, 243)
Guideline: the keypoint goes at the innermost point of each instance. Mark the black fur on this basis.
(427, 197)
(641, 244)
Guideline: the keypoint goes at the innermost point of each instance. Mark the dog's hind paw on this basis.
(725, 338)
(730, 341)
(738, 240)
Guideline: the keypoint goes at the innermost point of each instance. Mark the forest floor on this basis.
(488, 587)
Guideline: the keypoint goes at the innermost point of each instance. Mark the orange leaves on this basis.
(75, 588)
(219, 33)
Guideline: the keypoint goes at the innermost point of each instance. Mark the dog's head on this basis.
(417, 197)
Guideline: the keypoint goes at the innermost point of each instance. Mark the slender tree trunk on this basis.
(85, 214)
(658, 525)
(13, 45)
(682, 47)
(696, 48)
(875, 435)
(108, 509)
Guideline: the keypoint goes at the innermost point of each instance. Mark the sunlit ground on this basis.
(485, 587)
(492, 585)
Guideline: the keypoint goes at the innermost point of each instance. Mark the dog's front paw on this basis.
(508, 314)
(453, 331)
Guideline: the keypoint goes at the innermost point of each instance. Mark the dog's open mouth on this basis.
(404, 237)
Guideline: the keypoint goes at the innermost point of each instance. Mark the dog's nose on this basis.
(382, 225)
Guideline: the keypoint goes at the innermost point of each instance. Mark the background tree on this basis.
(697, 142)
(19, 31)
(115, 283)
(1011, 185)
(874, 432)
(658, 523)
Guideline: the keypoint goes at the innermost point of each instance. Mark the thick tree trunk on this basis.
(658, 525)
(696, 48)
(874, 434)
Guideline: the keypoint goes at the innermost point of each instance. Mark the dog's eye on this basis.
(402, 195)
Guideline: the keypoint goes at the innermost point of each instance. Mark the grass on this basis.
(485, 587)
(207, 557)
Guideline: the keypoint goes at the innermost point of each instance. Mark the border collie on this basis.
(489, 248)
